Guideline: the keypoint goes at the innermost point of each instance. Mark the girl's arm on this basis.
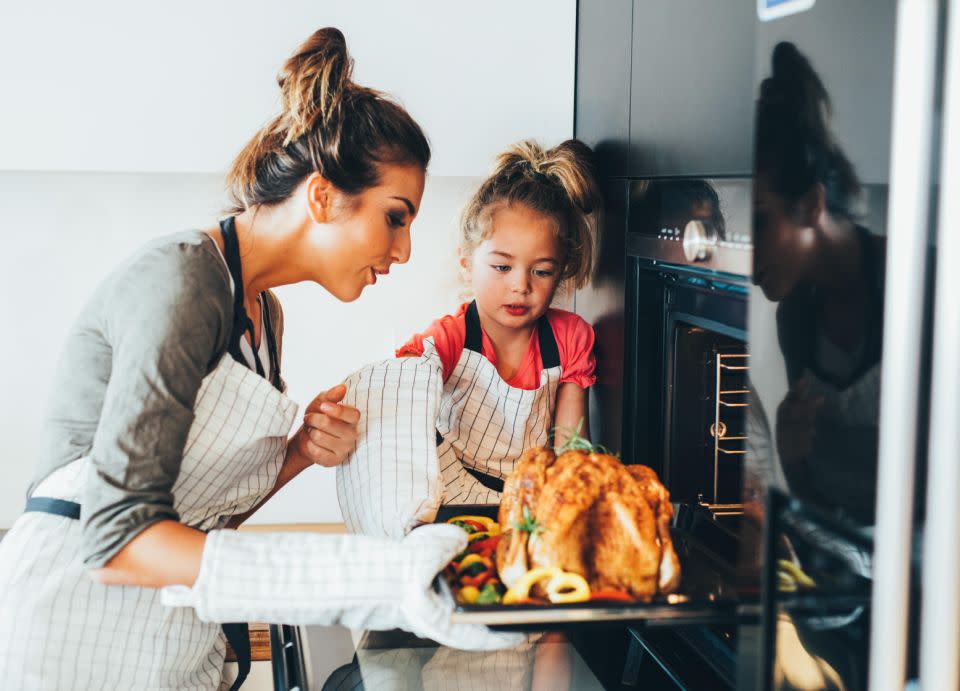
(571, 413)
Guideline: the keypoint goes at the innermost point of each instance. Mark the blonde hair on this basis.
(328, 124)
(558, 183)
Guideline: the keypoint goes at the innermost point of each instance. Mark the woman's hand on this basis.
(329, 431)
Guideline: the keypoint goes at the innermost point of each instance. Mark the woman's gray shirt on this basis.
(126, 384)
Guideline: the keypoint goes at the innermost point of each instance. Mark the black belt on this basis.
(488, 481)
(238, 635)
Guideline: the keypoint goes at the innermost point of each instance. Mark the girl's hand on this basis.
(329, 431)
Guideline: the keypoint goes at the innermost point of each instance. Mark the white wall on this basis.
(177, 86)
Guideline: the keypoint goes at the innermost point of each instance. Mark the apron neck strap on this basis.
(242, 324)
(549, 353)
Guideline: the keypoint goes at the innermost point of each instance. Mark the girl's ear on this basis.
(320, 198)
(466, 265)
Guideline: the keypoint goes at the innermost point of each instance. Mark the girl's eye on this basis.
(502, 268)
(542, 273)
(395, 220)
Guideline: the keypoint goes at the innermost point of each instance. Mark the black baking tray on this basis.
(707, 594)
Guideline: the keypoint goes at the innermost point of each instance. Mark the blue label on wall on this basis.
(774, 9)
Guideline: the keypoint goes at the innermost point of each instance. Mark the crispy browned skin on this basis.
(574, 485)
(626, 554)
(522, 488)
(658, 498)
(601, 519)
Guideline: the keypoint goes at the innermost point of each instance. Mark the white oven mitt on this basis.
(356, 581)
(391, 482)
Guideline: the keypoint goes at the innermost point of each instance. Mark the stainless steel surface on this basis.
(725, 257)
(914, 71)
(699, 239)
(939, 628)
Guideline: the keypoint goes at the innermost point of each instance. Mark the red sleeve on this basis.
(575, 341)
(448, 334)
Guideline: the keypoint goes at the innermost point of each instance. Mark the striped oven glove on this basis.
(356, 581)
(391, 482)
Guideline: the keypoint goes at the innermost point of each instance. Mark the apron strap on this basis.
(549, 353)
(238, 635)
(242, 324)
(57, 507)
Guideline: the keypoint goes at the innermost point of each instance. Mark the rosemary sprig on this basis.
(529, 524)
(576, 442)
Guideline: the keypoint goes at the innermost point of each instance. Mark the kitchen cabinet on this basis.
(692, 64)
(602, 110)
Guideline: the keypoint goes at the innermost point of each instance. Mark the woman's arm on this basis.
(328, 435)
(571, 413)
(166, 553)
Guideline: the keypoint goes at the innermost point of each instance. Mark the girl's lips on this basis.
(516, 310)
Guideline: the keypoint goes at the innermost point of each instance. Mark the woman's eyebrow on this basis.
(410, 208)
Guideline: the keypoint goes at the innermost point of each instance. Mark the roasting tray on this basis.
(707, 594)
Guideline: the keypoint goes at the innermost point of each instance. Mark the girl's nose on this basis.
(521, 282)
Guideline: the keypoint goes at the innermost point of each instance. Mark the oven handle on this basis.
(939, 630)
(911, 137)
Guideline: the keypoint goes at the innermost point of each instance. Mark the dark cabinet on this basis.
(691, 95)
(602, 108)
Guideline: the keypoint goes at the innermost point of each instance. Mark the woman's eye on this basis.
(502, 268)
(395, 221)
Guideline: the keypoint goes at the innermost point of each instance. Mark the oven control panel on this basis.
(703, 224)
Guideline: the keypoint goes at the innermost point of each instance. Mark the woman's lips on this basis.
(516, 310)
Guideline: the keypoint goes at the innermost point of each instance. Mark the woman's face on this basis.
(514, 273)
(367, 233)
(783, 243)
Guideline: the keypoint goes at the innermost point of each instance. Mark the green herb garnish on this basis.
(575, 442)
(528, 524)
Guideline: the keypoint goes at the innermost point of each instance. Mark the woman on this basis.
(826, 271)
(170, 419)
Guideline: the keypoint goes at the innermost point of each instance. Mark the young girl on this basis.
(514, 368)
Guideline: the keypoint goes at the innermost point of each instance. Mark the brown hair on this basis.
(328, 125)
(794, 144)
(559, 183)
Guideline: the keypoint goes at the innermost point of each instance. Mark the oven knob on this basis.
(699, 239)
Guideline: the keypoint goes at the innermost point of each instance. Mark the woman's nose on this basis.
(401, 247)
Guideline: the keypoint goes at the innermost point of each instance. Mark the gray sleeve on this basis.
(166, 316)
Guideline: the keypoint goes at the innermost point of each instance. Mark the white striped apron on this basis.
(485, 424)
(61, 630)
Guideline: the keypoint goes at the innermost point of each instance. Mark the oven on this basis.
(686, 387)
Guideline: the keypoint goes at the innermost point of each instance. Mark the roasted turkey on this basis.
(588, 513)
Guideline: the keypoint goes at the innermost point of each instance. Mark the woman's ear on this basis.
(812, 206)
(320, 198)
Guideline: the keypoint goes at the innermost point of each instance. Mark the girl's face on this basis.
(358, 239)
(515, 271)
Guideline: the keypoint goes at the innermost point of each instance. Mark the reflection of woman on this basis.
(826, 272)
(170, 418)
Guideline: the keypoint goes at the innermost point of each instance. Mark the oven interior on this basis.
(707, 400)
